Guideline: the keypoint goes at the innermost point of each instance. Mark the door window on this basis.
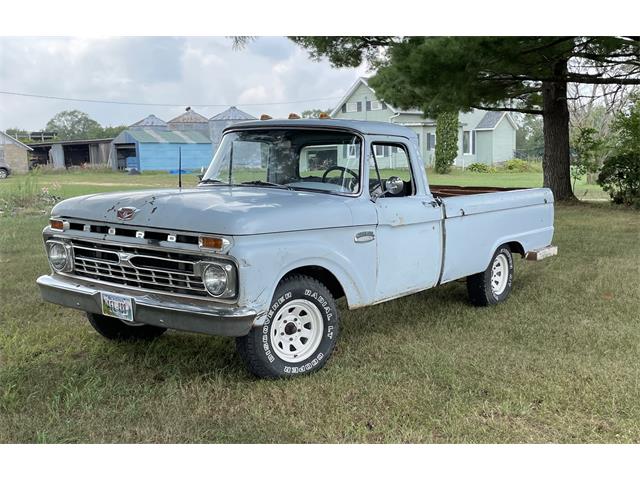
(389, 160)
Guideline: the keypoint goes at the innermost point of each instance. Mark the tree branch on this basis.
(532, 111)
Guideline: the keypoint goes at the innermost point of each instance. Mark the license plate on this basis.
(119, 306)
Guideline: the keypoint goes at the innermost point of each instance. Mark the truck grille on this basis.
(138, 267)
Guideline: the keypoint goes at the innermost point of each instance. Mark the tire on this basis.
(494, 284)
(4, 173)
(302, 308)
(115, 329)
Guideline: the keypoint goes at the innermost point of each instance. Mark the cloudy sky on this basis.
(183, 71)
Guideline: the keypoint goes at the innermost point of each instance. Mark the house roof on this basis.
(189, 116)
(148, 135)
(232, 113)
(15, 141)
(354, 87)
(358, 126)
(150, 121)
(491, 120)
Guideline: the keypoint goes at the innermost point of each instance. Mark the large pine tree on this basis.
(518, 74)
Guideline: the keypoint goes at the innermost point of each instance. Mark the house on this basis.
(14, 153)
(483, 137)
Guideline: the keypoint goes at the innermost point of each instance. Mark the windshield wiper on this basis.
(262, 183)
(210, 180)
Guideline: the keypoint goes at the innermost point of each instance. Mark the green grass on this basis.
(557, 362)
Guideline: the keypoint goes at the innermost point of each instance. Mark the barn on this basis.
(151, 148)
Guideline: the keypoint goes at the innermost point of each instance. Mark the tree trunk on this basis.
(555, 163)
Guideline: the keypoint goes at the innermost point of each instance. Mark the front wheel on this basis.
(494, 284)
(299, 333)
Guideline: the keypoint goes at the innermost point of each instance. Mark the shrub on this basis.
(447, 145)
(480, 168)
(620, 178)
(518, 165)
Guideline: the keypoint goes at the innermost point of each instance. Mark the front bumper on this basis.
(190, 315)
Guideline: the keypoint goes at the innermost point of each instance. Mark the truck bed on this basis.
(445, 191)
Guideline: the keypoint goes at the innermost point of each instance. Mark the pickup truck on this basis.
(290, 216)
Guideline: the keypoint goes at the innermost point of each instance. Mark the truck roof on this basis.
(360, 126)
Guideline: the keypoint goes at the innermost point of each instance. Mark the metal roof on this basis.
(359, 126)
(91, 141)
(150, 121)
(232, 113)
(190, 116)
(148, 135)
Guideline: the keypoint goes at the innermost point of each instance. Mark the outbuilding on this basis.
(14, 154)
(152, 148)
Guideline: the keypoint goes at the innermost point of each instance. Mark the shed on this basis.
(71, 153)
(14, 153)
(219, 122)
(151, 149)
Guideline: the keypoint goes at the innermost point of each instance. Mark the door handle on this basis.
(364, 237)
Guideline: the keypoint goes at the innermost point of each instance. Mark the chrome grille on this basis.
(138, 267)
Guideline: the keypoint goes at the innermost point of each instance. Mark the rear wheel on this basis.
(299, 333)
(4, 173)
(494, 284)
(115, 329)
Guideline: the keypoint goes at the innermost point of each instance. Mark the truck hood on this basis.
(214, 209)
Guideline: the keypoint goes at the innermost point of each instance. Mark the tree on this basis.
(73, 125)
(313, 113)
(516, 74)
(447, 145)
(529, 138)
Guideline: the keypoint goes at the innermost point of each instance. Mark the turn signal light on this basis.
(214, 243)
(323, 116)
(264, 116)
(294, 116)
(56, 224)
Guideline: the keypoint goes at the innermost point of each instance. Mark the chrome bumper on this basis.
(190, 315)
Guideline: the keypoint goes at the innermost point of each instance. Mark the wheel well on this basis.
(516, 247)
(323, 275)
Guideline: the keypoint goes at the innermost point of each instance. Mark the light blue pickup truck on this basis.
(290, 216)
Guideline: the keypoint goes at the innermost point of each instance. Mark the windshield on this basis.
(326, 161)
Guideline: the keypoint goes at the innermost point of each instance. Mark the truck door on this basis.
(408, 235)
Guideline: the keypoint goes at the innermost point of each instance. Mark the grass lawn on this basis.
(558, 362)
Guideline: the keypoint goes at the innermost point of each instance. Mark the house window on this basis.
(379, 149)
(431, 141)
(469, 142)
(352, 151)
(418, 135)
(353, 107)
(375, 105)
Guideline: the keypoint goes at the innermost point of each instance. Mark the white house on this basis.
(484, 137)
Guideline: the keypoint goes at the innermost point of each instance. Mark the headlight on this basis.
(59, 256)
(215, 279)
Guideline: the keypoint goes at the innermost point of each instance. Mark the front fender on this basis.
(265, 259)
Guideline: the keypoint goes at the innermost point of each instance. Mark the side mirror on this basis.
(394, 185)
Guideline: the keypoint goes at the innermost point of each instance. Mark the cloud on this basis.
(174, 70)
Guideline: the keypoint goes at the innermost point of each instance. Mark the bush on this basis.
(521, 166)
(480, 168)
(447, 145)
(620, 178)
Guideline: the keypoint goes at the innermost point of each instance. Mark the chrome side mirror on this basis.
(394, 185)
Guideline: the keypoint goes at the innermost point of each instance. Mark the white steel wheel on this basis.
(499, 274)
(297, 330)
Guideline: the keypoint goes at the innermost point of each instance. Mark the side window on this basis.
(390, 160)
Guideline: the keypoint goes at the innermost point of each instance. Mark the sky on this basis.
(170, 70)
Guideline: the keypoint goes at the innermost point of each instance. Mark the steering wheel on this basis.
(344, 170)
